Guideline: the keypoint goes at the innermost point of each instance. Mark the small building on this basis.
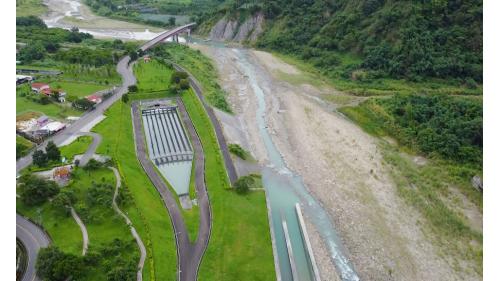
(62, 173)
(95, 99)
(62, 95)
(20, 79)
(42, 120)
(39, 87)
(54, 127)
(147, 58)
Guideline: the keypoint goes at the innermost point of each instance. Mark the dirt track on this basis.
(341, 166)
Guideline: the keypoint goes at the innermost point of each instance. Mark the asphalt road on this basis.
(228, 161)
(125, 70)
(128, 79)
(96, 140)
(185, 260)
(33, 238)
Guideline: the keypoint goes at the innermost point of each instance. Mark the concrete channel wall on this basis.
(305, 238)
(290, 251)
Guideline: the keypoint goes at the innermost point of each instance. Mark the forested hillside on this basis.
(407, 39)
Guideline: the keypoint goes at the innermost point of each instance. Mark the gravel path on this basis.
(85, 234)
(142, 248)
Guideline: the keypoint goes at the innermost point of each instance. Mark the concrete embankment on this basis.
(305, 238)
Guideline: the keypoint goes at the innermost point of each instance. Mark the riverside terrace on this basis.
(169, 147)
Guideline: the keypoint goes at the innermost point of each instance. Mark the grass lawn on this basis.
(78, 146)
(152, 76)
(22, 146)
(147, 213)
(30, 8)
(76, 89)
(103, 224)
(53, 110)
(240, 244)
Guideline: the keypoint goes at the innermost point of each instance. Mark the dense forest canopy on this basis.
(407, 39)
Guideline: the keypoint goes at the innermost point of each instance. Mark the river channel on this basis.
(284, 188)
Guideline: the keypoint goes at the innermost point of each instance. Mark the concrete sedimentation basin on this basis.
(169, 147)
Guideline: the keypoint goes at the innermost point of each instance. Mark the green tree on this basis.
(171, 21)
(132, 88)
(184, 84)
(83, 104)
(125, 98)
(32, 51)
(53, 152)
(63, 200)
(40, 158)
(54, 265)
(35, 190)
(243, 184)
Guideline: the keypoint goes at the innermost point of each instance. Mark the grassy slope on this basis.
(66, 234)
(30, 8)
(148, 213)
(78, 146)
(370, 87)
(152, 76)
(240, 244)
(202, 68)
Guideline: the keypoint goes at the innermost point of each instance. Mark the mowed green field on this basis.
(148, 214)
(152, 76)
(78, 146)
(76, 89)
(53, 110)
(240, 244)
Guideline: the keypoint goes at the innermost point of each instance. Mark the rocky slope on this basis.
(227, 29)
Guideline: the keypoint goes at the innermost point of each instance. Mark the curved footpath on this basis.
(142, 248)
(33, 238)
(85, 234)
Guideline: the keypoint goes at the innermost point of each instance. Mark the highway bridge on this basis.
(169, 33)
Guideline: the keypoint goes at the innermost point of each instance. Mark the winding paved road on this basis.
(138, 239)
(188, 254)
(33, 238)
(125, 70)
(228, 161)
(96, 140)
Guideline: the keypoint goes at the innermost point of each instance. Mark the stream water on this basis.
(285, 189)
(283, 186)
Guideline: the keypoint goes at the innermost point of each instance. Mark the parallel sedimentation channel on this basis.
(285, 189)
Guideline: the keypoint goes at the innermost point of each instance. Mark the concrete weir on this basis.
(305, 238)
(290, 251)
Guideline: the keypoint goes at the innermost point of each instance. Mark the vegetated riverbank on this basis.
(345, 168)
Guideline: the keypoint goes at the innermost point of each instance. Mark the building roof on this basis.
(39, 85)
(94, 98)
(42, 118)
(53, 126)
